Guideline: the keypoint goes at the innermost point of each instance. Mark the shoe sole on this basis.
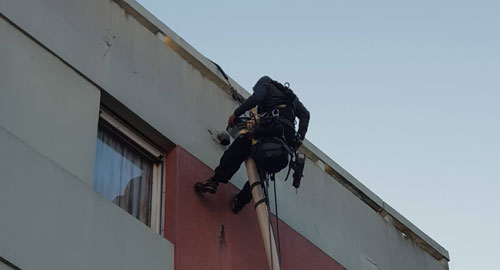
(204, 189)
(235, 210)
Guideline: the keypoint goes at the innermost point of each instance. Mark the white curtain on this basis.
(123, 175)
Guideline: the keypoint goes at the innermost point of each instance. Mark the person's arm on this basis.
(258, 95)
(303, 114)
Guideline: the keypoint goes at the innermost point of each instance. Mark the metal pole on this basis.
(263, 216)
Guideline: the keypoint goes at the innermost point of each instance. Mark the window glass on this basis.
(122, 174)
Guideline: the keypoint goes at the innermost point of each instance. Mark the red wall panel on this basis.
(207, 235)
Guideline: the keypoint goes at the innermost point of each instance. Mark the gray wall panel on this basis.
(52, 220)
(405, 255)
(47, 104)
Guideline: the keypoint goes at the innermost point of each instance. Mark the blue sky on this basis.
(405, 95)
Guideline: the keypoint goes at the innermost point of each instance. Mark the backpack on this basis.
(271, 154)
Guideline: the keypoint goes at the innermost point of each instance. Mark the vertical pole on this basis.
(263, 216)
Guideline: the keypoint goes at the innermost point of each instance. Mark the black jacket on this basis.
(266, 96)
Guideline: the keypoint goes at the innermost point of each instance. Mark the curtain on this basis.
(123, 175)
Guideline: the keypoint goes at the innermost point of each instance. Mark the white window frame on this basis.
(157, 194)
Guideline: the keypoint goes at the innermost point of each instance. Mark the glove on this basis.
(230, 121)
(296, 142)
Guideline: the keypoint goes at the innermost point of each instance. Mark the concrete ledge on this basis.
(208, 69)
(418, 236)
(342, 176)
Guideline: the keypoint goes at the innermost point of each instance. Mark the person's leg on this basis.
(232, 158)
(230, 162)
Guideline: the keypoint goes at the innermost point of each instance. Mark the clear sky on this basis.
(405, 95)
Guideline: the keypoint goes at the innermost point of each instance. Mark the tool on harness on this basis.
(241, 126)
(298, 169)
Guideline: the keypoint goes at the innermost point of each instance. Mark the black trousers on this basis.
(230, 162)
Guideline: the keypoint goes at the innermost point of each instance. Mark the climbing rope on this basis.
(271, 227)
(236, 96)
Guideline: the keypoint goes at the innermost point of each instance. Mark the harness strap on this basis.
(286, 122)
(254, 185)
(288, 150)
(236, 96)
(290, 165)
(259, 202)
(282, 120)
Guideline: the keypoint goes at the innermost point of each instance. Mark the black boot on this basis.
(242, 198)
(237, 205)
(210, 185)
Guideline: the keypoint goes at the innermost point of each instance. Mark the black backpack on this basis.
(271, 155)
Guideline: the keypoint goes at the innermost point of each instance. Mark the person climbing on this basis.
(269, 96)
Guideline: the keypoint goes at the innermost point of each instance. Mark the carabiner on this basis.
(276, 112)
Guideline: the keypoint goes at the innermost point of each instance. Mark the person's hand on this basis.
(230, 121)
(296, 142)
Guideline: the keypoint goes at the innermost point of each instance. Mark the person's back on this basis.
(267, 96)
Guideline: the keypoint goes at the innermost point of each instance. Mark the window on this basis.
(128, 170)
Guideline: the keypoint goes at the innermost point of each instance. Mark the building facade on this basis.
(105, 115)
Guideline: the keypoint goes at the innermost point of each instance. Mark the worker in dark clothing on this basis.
(268, 97)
